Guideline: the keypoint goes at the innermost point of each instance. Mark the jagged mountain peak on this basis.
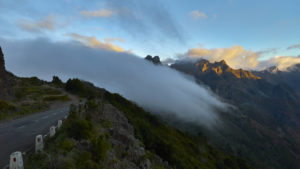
(219, 68)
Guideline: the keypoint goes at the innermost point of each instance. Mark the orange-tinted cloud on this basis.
(93, 42)
(47, 23)
(235, 56)
(238, 57)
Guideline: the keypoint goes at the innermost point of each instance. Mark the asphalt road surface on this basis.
(19, 134)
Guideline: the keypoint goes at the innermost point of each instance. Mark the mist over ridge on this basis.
(159, 89)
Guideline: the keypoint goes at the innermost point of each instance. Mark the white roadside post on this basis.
(59, 123)
(52, 131)
(39, 144)
(16, 161)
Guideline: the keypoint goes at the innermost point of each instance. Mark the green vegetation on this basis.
(77, 144)
(82, 89)
(57, 98)
(31, 95)
(180, 149)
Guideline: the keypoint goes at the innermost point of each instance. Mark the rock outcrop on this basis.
(155, 59)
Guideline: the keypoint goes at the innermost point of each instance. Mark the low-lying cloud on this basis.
(156, 88)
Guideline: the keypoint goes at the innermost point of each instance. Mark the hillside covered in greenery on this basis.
(93, 137)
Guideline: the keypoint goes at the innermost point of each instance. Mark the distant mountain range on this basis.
(265, 126)
(291, 76)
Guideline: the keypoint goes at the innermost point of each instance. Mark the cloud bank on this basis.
(156, 88)
(238, 57)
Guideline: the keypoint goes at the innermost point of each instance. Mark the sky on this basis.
(262, 31)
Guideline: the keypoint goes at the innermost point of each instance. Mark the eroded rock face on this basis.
(125, 146)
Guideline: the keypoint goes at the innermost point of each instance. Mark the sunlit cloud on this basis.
(47, 23)
(92, 41)
(238, 57)
(235, 56)
(297, 46)
(102, 13)
(198, 15)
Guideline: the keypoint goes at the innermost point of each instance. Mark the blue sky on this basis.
(160, 27)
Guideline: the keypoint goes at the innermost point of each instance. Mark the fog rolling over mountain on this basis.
(156, 88)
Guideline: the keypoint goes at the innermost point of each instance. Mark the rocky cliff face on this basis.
(2, 63)
(6, 80)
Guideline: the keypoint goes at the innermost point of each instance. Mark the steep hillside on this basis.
(109, 131)
(265, 126)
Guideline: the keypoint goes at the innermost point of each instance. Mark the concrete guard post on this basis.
(39, 144)
(16, 161)
(52, 131)
(59, 123)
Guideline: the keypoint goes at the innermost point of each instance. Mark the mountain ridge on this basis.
(267, 113)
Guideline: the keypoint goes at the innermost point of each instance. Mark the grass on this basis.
(31, 95)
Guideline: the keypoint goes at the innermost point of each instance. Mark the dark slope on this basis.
(265, 126)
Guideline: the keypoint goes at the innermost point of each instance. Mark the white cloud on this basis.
(102, 13)
(282, 62)
(198, 15)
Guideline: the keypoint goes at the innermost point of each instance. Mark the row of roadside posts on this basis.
(16, 159)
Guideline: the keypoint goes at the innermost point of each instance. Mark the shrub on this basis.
(79, 128)
(56, 81)
(100, 147)
(57, 98)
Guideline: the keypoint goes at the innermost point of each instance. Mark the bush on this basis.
(5, 106)
(66, 145)
(57, 98)
(57, 82)
(78, 128)
(82, 89)
(100, 147)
